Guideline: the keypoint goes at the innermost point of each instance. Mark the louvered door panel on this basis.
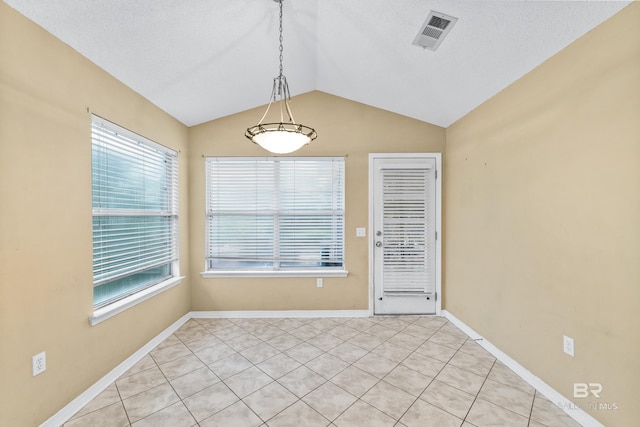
(405, 209)
(406, 221)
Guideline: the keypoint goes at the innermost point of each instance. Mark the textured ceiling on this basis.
(203, 59)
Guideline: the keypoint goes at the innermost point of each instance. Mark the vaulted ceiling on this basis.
(199, 60)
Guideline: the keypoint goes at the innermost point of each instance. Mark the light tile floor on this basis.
(380, 371)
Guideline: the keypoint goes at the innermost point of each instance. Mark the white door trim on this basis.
(371, 236)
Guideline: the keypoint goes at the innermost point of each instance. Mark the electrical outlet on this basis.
(568, 345)
(361, 232)
(319, 283)
(39, 363)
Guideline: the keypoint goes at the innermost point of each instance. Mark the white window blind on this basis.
(275, 213)
(408, 230)
(135, 212)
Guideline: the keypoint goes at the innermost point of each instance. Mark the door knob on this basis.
(378, 244)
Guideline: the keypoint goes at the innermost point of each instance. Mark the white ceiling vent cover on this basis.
(434, 30)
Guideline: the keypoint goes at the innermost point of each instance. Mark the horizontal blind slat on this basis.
(135, 203)
(275, 210)
(404, 205)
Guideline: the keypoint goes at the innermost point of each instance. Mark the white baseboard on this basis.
(63, 415)
(266, 314)
(78, 403)
(549, 392)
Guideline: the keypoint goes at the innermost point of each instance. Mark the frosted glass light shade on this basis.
(281, 141)
(281, 138)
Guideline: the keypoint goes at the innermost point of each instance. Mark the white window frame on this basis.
(104, 312)
(300, 272)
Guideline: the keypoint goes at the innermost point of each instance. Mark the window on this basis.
(135, 213)
(275, 214)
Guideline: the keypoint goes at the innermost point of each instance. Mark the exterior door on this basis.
(404, 236)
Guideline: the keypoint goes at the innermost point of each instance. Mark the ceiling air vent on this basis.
(434, 30)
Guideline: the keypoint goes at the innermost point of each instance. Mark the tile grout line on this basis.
(327, 331)
(434, 377)
(397, 364)
(124, 408)
(533, 402)
(358, 399)
(476, 397)
(221, 380)
(300, 399)
(382, 379)
(239, 398)
(175, 391)
(496, 404)
(170, 385)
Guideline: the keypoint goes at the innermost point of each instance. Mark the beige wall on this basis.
(345, 128)
(45, 222)
(543, 217)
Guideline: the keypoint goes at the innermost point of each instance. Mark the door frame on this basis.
(438, 224)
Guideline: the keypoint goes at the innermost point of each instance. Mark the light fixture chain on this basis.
(283, 137)
(281, 49)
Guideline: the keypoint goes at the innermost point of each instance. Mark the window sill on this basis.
(288, 273)
(119, 306)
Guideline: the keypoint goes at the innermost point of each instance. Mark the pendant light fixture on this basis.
(286, 136)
